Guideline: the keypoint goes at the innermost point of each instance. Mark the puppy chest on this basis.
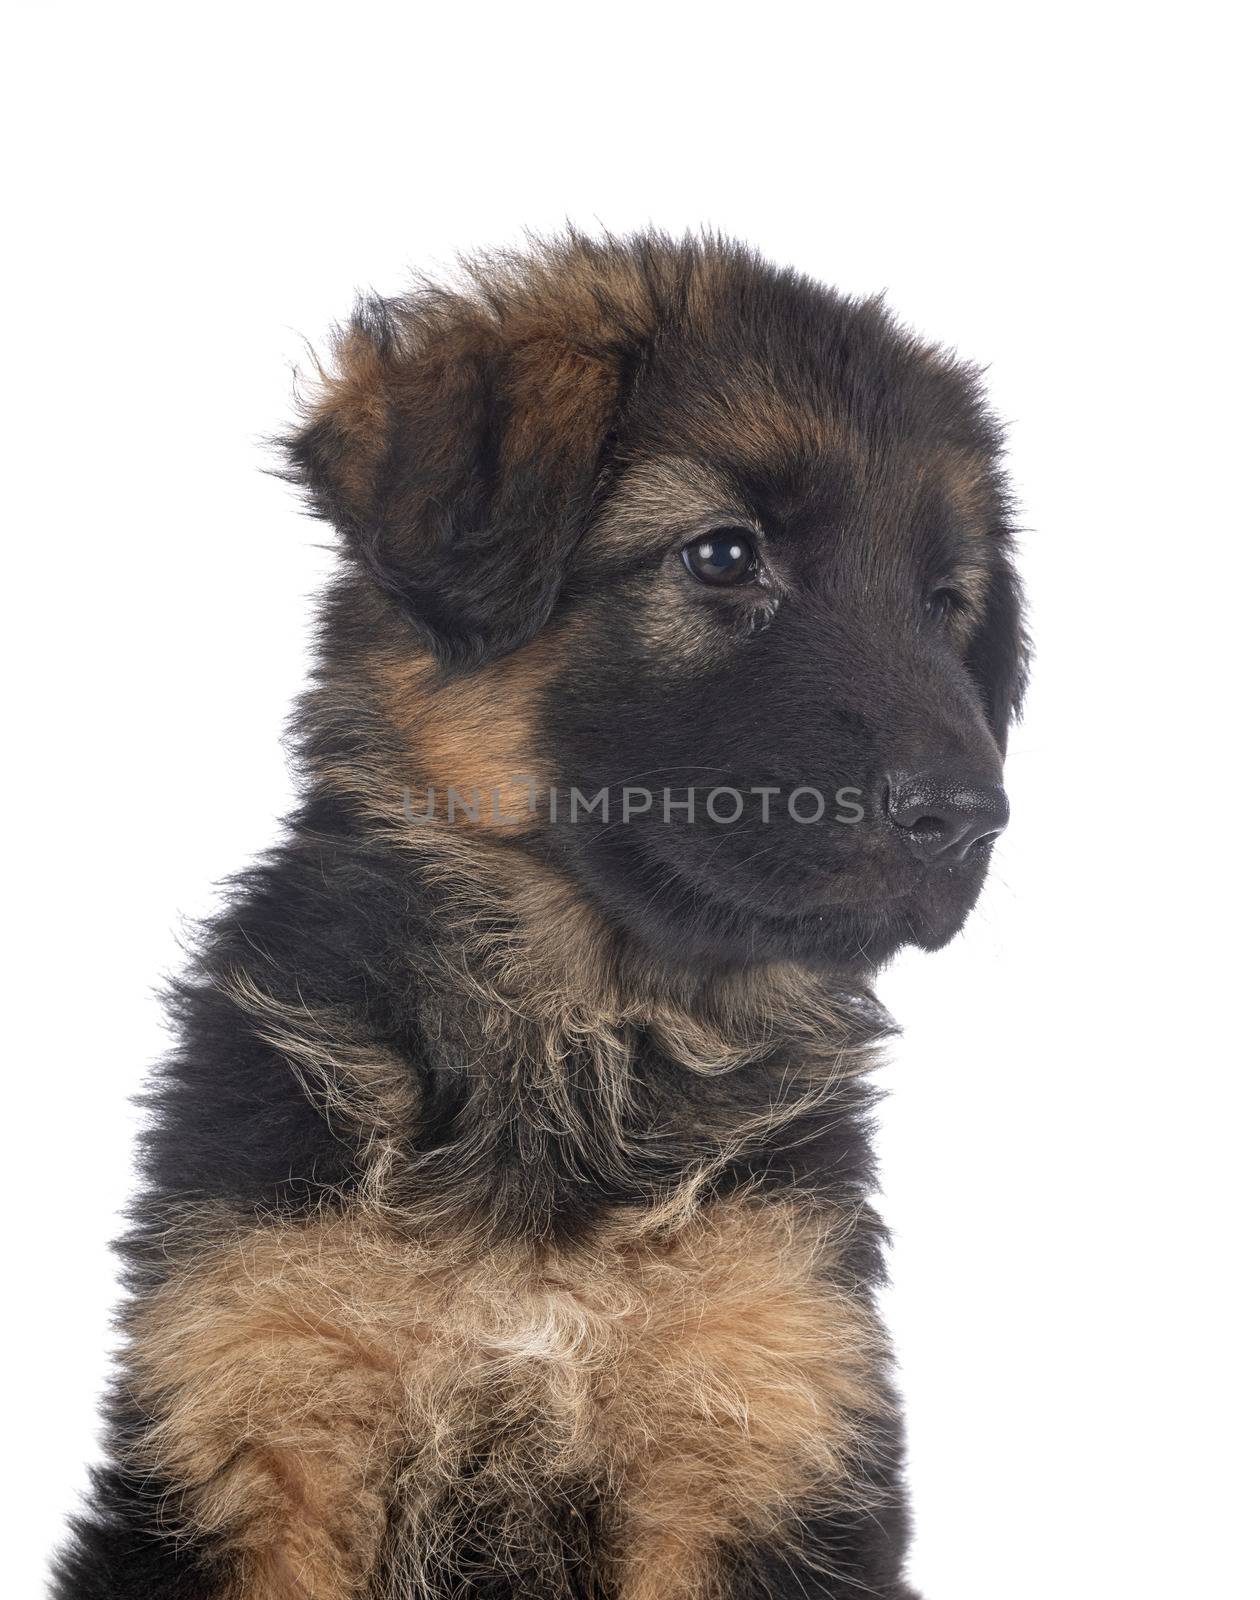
(694, 1383)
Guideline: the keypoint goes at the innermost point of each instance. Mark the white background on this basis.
(1058, 191)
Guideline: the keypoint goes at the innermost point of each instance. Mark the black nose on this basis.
(945, 814)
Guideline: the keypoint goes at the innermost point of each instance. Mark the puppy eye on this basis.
(726, 556)
(943, 603)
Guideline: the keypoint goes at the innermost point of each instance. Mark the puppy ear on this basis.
(998, 654)
(457, 450)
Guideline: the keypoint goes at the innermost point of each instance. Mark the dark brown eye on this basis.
(726, 556)
(943, 603)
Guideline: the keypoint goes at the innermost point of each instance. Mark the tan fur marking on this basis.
(662, 499)
(560, 398)
(759, 1381)
(353, 397)
(471, 736)
(695, 1369)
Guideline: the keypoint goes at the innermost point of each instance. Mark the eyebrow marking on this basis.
(670, 494)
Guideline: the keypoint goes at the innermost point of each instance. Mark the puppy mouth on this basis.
(871, 882)
(867, 909)
(852, 905)
(760, 909)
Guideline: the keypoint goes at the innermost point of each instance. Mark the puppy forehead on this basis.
(804, 416)
(830, 492)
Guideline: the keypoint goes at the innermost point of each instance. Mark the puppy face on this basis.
(746, 544)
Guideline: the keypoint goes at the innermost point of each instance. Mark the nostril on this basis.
(927, 830)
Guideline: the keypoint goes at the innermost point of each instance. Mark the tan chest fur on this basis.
(335, 1399)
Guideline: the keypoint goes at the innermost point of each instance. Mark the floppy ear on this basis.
(998, 654)
(457, 452)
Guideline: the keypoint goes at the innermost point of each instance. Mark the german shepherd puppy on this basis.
(505, 1228)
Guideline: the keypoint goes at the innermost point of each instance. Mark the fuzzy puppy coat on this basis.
(504, 1229)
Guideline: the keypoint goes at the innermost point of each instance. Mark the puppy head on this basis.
(717, 558)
